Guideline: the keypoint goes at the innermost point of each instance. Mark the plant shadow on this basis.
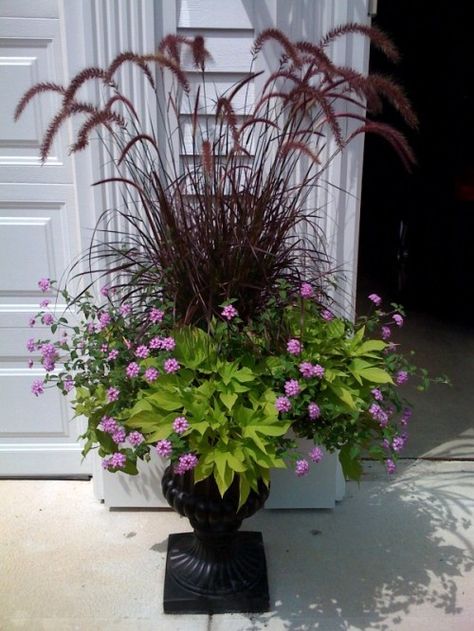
(384, 551)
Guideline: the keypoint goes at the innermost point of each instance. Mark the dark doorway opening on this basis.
(416, 233)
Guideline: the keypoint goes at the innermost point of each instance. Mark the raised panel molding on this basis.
(32, 239)
(29, 9)
(50, 417)
(43, 460)
(203, 14)
(20, 141)
(30, 52)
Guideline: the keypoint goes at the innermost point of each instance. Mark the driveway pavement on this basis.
(394, 554)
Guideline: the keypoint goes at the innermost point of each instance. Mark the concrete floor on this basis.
(443, 421)
(396, 555)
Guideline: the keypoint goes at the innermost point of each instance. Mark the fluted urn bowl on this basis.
(216, 568)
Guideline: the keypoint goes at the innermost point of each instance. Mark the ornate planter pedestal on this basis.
(214, 569)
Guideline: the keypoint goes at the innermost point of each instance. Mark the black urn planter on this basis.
(214, 569)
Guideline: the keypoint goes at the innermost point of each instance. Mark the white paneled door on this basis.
(39, 236)
(44, 209)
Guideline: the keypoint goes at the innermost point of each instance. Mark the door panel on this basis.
(39, 237)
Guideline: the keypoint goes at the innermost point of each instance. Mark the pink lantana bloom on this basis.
(378, 414)
(44, 284)
(378, 396)
(155, 343)
(105, 291)
(171, 365)
(68, 385)
(314, 411)
(401, 377)
(108, 425)
(49, 355)
(327, 315)
(292, 388)
(118, 460)
(142, 352)
(398, 443)
(37, 387)
(156, 315)
(48, 350)
(31, 322)
(151, 374)
(186, 462)
(115, 461)
(386, 332)
(113, 354)
(164, 448)
(306, 370)
(390, 466)
(294, 347)
(283, 404)
(113, 394)
(306, 291)
(135, 439)
(318, 371)
(132, 370)
(168, 344)
(104, 320)
(162, 343)
(44, 303)
(125, 309)
(47, 319)
(31, 345)
(302, 468)
(119, 435)
(316, 454)
(398, 319)
(229, 312)
(376, 299)
(406, 416)
(180, 424)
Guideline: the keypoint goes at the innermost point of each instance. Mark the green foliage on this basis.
(233, 423)
(228, 383)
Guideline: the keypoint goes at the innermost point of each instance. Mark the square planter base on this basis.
(179, 599)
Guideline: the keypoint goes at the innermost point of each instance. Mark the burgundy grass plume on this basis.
(32, 92)
(232, 219)
(377, 37)
(276, 35)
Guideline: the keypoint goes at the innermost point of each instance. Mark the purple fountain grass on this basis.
(228, 219)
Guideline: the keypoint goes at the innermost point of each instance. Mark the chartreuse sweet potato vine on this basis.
(221, 402)
(232, 420)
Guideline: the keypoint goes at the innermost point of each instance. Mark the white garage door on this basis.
(39, 235)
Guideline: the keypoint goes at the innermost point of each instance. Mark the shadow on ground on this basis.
(386, 552)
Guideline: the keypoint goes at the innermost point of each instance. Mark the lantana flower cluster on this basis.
(335, 382)
(308, 392)
(104, 353)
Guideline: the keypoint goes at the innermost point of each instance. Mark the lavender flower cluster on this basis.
(312, 373)
(102, 343)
